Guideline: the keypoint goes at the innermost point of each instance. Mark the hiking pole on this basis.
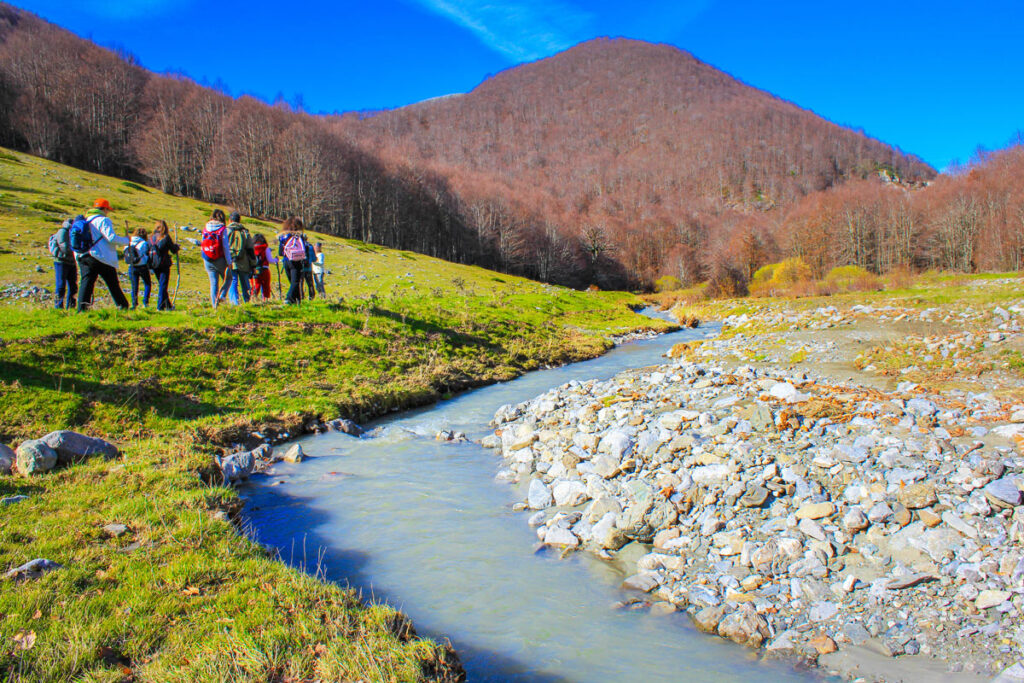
(278, 265)
(177, 267)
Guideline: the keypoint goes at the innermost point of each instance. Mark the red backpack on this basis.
(212, 245)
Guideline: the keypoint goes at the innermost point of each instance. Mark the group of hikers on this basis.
(237, 262)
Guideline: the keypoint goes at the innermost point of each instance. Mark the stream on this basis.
(424, 526)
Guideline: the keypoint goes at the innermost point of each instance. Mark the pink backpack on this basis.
(295, 248)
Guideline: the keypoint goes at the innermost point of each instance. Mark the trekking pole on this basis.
(278, 265)
(177, 267)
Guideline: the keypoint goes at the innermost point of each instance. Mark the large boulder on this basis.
(74, 447)
(7, 459)
(238, 466)
(35, 456)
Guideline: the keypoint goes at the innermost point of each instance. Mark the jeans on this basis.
(216, 270)
(318, 280)
(92, 269)
(67, 283)
(307, 276)
(239, 280)
(293, 269)
(135, 273)
(163, 299)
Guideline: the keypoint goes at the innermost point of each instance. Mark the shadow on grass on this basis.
(290, 524)
(142, 396)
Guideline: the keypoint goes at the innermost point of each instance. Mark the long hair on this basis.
(140, 232)
(160, 229)
(218, 216)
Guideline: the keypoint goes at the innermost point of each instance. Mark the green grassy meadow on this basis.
(183, 595)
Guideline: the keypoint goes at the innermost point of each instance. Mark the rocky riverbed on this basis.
(797, 510)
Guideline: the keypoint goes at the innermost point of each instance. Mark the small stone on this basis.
(32, 569)
(879, 513)
(115, 530)
(823, 645)
(561, 536)
(11, 500)
(855, 520)
(7, 459)
(539, 495)
(707, 619)
(856, 633)
(929, 518)
(569, 493)
(1003, 493)
(73, 447)
(784, 641)
(812, 529)
(953, 520)
(744, 626)
(900, 515)
(815, 511)
(823, 611)
(755, 497)
(294, 454)
(909, 580)
(917, 496)
(640, 582)
(991, 598)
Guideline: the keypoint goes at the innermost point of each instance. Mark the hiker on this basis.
(93, 240)
(318, 268)
(243, 259)
(291, 248)
(139, 255)
(261, 271)
(64, 268)
(164, 246)
(216, 256)
(307, 268)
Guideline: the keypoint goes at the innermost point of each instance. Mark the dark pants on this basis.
(67, 283)
(293, 269)
(307, 276)
(136, 273)
(163, 299)
(92, 269)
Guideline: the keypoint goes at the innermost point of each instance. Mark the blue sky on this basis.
(937, 79)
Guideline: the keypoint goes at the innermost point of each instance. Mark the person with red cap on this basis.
(101, 259)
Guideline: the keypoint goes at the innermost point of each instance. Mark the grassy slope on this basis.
(182, 596)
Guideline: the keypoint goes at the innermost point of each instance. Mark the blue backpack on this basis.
(80, 235)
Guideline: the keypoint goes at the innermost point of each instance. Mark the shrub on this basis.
(667, 283)
(727, 282)
(792, 271)
(781, 278)
(851, 278)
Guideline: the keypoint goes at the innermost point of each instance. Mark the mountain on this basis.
(641, 142)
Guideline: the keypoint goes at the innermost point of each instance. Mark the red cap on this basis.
(101, 204)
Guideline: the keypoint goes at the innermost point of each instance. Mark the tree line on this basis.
(615, 163)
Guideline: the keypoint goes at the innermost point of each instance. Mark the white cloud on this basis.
(523, 30)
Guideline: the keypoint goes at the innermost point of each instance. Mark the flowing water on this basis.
(424, 525)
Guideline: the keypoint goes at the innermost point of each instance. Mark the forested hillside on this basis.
(639, 151)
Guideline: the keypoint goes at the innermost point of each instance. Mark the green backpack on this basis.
(242, 253)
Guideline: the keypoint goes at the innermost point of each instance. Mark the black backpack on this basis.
(132, 257)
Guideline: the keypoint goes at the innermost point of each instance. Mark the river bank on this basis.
(792, 492)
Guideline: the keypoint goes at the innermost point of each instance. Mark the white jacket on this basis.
(104, 239)
(144, 248)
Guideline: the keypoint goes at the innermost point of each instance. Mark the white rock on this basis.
(539, 495)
